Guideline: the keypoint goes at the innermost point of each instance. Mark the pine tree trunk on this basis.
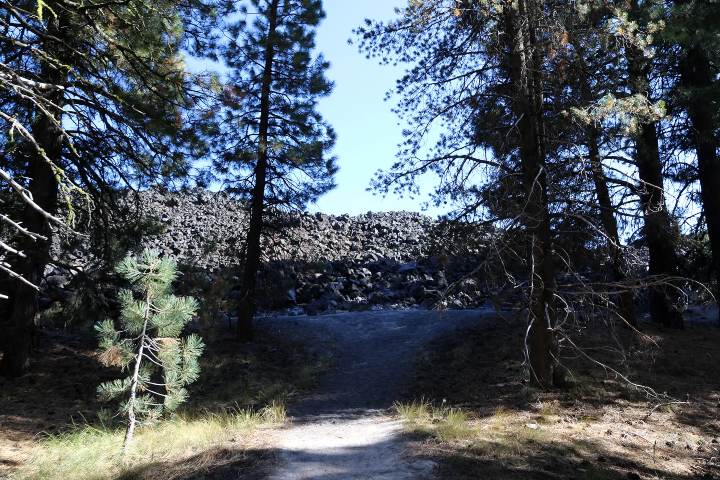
(132, 420)
(698, 76)
(659, 234)
(21, 324)
(527, 106)
(626, 306)
(253, 252)
(661, 239)
(44, 189)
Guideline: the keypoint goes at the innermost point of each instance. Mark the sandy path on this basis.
(343, 431)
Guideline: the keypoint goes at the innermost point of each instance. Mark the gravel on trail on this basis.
(343, 430)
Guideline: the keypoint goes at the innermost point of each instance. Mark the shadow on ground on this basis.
(545, 460)
(597, 428)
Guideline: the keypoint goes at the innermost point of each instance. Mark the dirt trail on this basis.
(343, 430)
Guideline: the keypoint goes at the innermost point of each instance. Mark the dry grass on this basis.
(598, 428)
(242, 388)
(414, 413)
(443, 422)
(187, 444)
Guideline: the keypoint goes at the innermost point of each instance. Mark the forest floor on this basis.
(396, 395)
(471, 412)
(417, 394)
(226, 427)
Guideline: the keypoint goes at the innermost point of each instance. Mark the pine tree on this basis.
(162, 363)
(273, 144)
(659, 231)
(477, 70)
(589, 75)
(92, 99)
(695, 27)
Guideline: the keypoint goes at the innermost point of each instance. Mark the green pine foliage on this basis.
(275, 72)
(148, 345)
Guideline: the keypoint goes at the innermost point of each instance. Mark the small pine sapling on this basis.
(148, 344)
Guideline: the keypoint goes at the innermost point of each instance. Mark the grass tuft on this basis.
(274, 413)
(415, 412)
(548, 411)
(453, 425)
(443, 422)
(500, 418)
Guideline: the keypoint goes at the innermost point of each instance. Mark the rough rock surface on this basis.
(315, 263)
(207, 229)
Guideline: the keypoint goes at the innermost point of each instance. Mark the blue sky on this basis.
(368, 131)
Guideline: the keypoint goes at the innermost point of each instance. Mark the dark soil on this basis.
(599, 427)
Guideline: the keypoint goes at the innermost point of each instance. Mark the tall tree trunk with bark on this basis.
(658, 229)
(253, 251)
(659, 233)
(526, 77)
(43, 186)
(626, 305)
(696, 74)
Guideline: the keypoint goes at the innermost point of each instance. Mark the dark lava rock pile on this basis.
(315, 263)
(207, 230)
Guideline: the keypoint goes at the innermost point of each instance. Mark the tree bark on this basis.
(696, 74)
(626, 305)
(44, 189)
(524, 72)
(659, 232)
(253, 251)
